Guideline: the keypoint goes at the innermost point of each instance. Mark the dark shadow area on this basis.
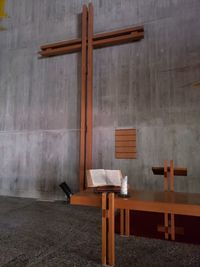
(145, 224)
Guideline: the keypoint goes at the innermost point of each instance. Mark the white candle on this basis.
(124, 186)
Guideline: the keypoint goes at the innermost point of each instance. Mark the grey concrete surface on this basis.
(35, 233)
(145, 85)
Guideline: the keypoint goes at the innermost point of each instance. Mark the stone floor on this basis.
(34, 233)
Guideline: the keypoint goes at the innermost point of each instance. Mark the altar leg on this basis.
(125, 222)
(104, 229)
(121, 222)
(111, 229)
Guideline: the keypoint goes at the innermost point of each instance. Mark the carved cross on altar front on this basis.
(86, 44)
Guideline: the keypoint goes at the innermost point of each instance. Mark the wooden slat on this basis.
(89, 112)
(88, 199)
(99, 36)
(96, 44)
(127, 222)
(104, 229)
(125, 132)
(125, 155)
(60, 51)
(125, 138)
(171, 175)
(122, 222)
(111, 230)
(172, 219)
(118, 32)
(178, 171)
(62, 43)
(125, 143)
(119, 40)
(166, 219)
(83, 100)
(125, 149)
(169, 202)
(178, 230)
(166, 222)
(165, 176)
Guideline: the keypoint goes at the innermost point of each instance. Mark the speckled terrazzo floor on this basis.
(34, 233)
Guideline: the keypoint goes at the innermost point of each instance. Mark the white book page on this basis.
(113, 177)
(98, 177)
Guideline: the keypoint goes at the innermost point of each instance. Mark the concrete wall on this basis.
(145, 85)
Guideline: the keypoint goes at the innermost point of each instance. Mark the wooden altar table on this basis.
(169, 202)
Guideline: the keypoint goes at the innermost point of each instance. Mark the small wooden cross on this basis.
(86, 44)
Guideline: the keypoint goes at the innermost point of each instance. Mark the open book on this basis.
(101, 177)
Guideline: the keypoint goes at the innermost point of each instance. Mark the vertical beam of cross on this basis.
(86, 93)
(83, 97)
(89, 88)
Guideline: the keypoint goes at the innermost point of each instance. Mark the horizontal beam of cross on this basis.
(100, 40)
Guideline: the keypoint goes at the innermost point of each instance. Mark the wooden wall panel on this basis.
(125, 143)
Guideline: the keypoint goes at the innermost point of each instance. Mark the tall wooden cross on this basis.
(86, 44)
